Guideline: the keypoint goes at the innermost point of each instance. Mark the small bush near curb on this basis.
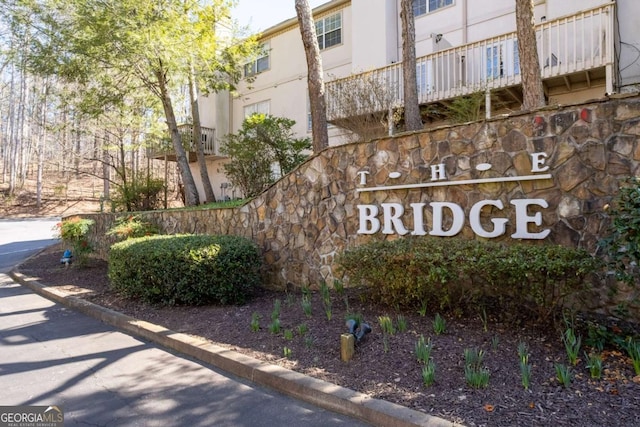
(73, 232)
(186, 269)
(518, 280)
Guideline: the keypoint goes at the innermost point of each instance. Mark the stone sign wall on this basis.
(544, 176)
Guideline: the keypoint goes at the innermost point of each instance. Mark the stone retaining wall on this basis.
(304, 220)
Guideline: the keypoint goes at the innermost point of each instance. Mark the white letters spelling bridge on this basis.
(392, 212)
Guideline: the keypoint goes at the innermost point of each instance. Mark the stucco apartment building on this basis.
(588, 49)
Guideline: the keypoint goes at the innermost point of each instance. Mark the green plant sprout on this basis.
(495, 341)
(274, 326)
(475, 374)
(386, 324)
(275, 314)
(439, 325)
(477, 378)
(483, 319)
(422, 311)
(523, 352)
(525, 375)
(306, 305)
(525, 367)
(423, 349)
(429, 373)
(633, 350)
(326, 299)
(401, 322)
(303, 329)
(563, 374)
(594, 364)
(572, 344)
(255, 322)
(473, 357)
(306, 292)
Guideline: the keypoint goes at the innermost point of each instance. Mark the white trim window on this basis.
(261, 63)
(502, 60)
(424, 78)
(421, 7)
(329, 30)
(261, 107)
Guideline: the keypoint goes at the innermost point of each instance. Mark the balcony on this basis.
(575, 52)
(210, 145)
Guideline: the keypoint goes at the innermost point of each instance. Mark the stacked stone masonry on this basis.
(307, 218)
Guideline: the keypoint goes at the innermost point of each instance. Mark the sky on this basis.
(262, 14)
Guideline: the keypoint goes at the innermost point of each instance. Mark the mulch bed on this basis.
(393, 375)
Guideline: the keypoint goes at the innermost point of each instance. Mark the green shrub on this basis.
(132, 226)
(73, 232)
(140, 194)
(186, 269)
(622, 245)
(517, 280)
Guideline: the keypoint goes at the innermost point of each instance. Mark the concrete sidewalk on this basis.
(317, 392)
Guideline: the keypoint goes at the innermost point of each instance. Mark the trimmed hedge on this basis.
(186, 269)
(519, 280)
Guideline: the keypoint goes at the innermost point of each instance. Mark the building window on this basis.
(420, 7)
(424, 78)
(329, 31)
(261, 107)
(260, 64)
(503, 60)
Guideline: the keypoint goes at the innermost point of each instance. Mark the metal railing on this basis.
(579, 42)
(208, 140)
(210, 145)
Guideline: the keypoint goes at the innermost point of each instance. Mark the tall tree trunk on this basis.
(20, 132)
(315, 79)
(412, 118)
(12, 134)
(96, 145)
(42, 141)
(78, 145)
(191, 197)
(532, 89)
(210, 197)
(127, 182)
(106, 170)
(63, 151)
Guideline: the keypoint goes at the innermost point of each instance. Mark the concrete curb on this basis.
(317, 392)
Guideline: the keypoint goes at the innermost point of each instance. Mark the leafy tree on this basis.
(263, 145)
(152, 44)
(315, 79)
(532, 90)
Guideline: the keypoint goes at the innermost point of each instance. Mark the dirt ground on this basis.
(310, 344)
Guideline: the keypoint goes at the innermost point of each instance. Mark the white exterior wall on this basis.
(375, 39)
(559, 8)
(284, 84)
(371, 39)
(217, 177)
(208, 109)
(629, 23)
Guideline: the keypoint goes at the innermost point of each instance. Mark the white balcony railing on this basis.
(208, 140)
(210, 145)
(580, 42)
